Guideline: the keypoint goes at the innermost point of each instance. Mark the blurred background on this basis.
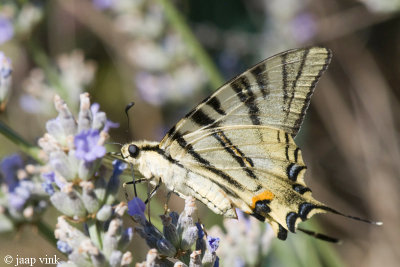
(169, 55)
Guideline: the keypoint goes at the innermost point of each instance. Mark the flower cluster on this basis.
(74, 150)
(164, 70)
(18, 19)
(179, 235)
(5, 79)
(76, 183)
(22, 198)
(74, 74)
(83, 251)
(246, 241)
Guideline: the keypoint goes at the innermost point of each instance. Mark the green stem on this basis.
(201, 56)
(28, 148)
(47, 233)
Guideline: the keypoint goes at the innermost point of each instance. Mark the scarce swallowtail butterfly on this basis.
(236, 148)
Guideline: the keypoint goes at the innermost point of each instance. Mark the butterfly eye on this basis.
(133, 151)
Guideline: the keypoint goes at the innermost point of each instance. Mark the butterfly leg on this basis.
(131, 182)
(153, 192)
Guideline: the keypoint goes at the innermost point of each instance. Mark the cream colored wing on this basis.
(260, 169)
(276, 92)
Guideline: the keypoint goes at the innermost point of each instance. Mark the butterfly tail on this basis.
(351, 217)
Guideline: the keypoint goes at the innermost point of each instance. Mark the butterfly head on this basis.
(131, 152)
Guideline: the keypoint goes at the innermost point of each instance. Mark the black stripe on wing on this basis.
(261, 75)
(205, 163)
(284, 81)
(299, 73)
(203, 119)
(299, 120)
(243, 89)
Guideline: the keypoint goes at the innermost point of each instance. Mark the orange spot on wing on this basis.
(265, 195)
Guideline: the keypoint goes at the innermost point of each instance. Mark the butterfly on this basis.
(236, 148)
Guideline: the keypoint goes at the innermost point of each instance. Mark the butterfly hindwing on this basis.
(260, 168)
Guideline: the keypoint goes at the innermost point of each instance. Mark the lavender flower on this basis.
(64, 247)
(22, 198)
(246, 240)
(6, 29)
(26, 17)
(165, 72)
(82, 251)
(75, 150)
(136, 207)
(87, 146)
(213, 243)
(75, 73)
(78, 189)
(180, 233)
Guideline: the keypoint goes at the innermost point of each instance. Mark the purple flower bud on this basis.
(200, 232)
(189, 237)
(49, 176)
(175, 217)
(8, 168)
(6, 30)
(87, 147)
(48, 187)
(99, 119)
(16, 201)
(216, 263)
(94, 108)
(166, 248)
(113, 184)
(126, 237)
(109, 125)
(169, 230)
(64, 247)
(119, 167)
(213, 243)
(136, 207)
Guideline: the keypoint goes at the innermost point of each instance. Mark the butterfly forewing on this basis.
(276, 93)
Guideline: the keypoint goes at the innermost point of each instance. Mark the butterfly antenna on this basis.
(127, 108)
(113, 143)
(320, 236)
(352, 217)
